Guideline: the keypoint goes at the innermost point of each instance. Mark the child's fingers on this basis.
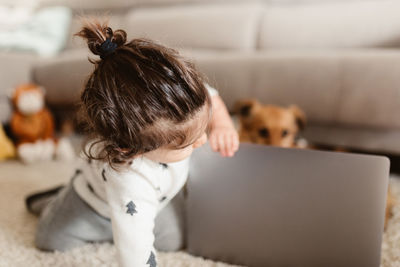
(233, 145)
(221, 144)
(228, 145)
(213, 143)
(235, 142)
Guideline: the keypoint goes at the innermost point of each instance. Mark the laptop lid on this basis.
(271, 206)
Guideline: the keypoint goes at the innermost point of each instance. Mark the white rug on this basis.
(17, 226)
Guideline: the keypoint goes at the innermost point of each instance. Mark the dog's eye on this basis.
(285, 133)
(263, 132)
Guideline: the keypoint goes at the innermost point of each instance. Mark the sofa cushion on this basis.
(370, 93)
(63, 77)
(331, 86)
(331, 25)
(216, 26)
(15, 68)
(275, 77)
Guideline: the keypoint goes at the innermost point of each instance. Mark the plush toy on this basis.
(269, 124)
(33, 127)
(7, 149)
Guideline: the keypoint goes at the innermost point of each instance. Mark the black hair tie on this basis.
(107, 47)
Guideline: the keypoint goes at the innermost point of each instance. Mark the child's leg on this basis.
(68, 222)
(170, 225)
(36, 202)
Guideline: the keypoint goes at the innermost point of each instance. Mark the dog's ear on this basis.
(299, 115)
(245, 107)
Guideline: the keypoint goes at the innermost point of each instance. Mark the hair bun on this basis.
(100, 38)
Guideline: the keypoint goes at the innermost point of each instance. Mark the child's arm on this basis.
(223, 136)
(133, 208)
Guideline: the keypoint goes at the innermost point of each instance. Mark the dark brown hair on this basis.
(140, 96)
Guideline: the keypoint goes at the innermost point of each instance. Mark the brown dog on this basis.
(277, 126)
(269, 125)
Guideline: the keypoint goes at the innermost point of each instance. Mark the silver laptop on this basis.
(271, 206)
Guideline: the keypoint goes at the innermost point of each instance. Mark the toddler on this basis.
(146, 109)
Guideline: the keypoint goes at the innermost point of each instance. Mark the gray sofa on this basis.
(337, 60)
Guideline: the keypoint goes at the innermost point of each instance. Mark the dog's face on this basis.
(269, 125)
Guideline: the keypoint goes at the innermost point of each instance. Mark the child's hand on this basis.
(224, 139)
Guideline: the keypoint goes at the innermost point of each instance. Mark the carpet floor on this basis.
(17, 226)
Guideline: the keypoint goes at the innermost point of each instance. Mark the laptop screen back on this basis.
(287, 207)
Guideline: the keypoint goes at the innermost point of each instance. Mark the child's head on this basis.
(142, 97)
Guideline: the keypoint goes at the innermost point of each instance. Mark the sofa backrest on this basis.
(202, 26)
(331, 25)
(261, 25)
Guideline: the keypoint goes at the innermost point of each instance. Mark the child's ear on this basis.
(245, 107)
(299, 115)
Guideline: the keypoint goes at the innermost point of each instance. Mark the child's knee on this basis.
(169, 242)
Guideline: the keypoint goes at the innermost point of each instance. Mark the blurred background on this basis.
(338, 60)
